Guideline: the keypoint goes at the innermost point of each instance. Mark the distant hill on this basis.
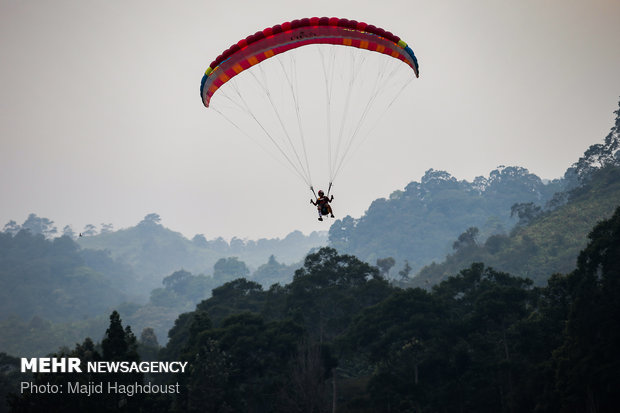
(549, 244)
(51, 279)
(154, 251)
(56, 290)
(547, 241)
(510, 220)
(420, 223)
(52, 293)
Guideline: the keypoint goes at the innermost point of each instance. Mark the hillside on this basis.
(55, 290)
(420, 223)
(50, 278)
(340, 334)
(547, 241)
(154, 252)
(443, 220)
(549, 244)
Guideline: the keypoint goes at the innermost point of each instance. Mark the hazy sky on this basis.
(101, 119)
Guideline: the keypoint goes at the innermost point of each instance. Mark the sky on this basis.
(101, 119)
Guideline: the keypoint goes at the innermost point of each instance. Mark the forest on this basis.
(494, 296)
(340, 335)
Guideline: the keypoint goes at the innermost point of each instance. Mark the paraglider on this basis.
(323, 205)
(295, 82)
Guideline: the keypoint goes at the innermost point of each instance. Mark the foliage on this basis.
(587, 361)
(119, 344)
(549, 242)
(227, 269)
(444, 350)
(487, 341)
(385, 264)
(466, 240)
(48, 278)
(482, 340)
(283, 324)
(38, 225)
(153, 251)
(420, 223)
(339, 334)
(10, 378)
(253, 358)
(274, 272)
(597, 156)
(51, 291)
(38, 336)
(526, 212)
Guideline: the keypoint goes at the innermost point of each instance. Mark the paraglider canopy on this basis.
(290, 35)
(351, 74)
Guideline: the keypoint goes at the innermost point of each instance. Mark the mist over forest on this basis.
(498, 294)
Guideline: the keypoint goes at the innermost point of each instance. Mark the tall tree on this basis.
(385, 264)
(152, 219)
(38, 225)
(68, 232)
(588, 360)
(114, 344)
(526, 212)
(89, 230)
(404, 273)
(227, 269)
(106, 228)
(11, 227)
(466, 239)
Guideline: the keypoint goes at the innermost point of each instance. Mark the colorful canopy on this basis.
(290, 35)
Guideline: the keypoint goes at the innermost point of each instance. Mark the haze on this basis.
(101, 119)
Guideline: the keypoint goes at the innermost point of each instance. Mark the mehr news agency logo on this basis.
(73, 365)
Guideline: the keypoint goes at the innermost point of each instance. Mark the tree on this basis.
(219, 245)
(495, 243)
(385, 264)
(466, 239)
(132, 345)
(200, 240)
(114, 345)
(38, 225)
(273, 272)
(526, 212)
(12, 227)
(148, 337)
(240, 366)
(51, 278)
(106, 228)
(89, 230)
(397, 336)
(419, 223)
(153, 219)
(404, 273)
(329, 290)
(340, 232)
(28, 401)
(233, 297)
(588, 359)
(227, 269)
(598, 156)
(452, 349)
(68, 231)
(176, 280)
(307, 389)
(118, 345)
